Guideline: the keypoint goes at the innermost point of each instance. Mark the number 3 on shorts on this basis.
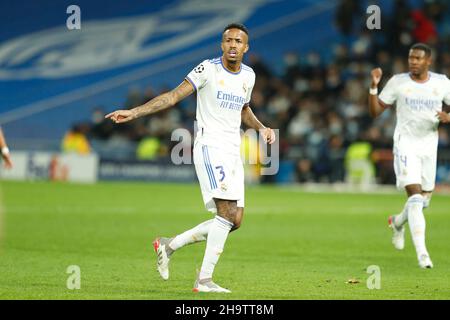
(221, 172)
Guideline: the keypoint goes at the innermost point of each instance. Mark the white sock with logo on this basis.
(196, 234)
(417, 223)
(217, 236)
(426, 200)
(401, 218)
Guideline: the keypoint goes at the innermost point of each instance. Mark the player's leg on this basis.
(416, 222)
(429, 163)
(407, 172)
(228, 185)
(197, 234)
(427, 198)
(217, 236)
(238, 219)
(401, 218)
(164, 247)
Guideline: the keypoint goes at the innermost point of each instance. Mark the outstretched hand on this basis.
(443, 117)
(268, 135)
(120, 116)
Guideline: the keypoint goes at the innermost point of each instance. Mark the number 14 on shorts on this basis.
(401, 163)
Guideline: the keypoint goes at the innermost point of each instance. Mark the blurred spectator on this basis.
(336, 158)
(75, 141)
(359, 165)
(148, 148)
(304, 171)
(424, 29)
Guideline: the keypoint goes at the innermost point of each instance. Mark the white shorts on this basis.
(221, 175)
(415, 164)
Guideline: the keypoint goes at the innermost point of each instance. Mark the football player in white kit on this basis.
(418, 96)
(224, 86)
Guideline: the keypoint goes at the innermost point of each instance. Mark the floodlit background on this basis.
(72, 197)
(312, 60)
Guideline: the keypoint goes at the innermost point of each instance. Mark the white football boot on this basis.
(163, 258)
(207, 285)
(398, 234)
(425, 262)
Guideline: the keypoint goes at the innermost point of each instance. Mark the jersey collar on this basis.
(428, 79)
(234, 73)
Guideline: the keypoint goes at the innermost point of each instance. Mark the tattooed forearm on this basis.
(249, 118)
(159, 103)
(164, 101)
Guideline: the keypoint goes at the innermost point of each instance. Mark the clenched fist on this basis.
(376, 77)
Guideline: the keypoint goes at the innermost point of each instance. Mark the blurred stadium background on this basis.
(312, 60)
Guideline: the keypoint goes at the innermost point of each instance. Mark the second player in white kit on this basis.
(418, 96)
(416, 132)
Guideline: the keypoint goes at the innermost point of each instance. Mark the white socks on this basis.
(402, 217)
(198, 233)
(426, 200)
(417, 223)
(218, 233)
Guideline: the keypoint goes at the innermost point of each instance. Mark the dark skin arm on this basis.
(161, 102)
(376, 107)
(443, 117)
(251, 121)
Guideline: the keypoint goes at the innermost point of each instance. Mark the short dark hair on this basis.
(423, 47)
(236, 25)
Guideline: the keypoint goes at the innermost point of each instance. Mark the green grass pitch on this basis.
(292, 244)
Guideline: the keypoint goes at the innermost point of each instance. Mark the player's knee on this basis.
(413, 189)
(237, 224)
(238, 218)
(227, 210)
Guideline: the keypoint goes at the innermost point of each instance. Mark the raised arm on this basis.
(250, 120)
(376, 107)
(161, 102)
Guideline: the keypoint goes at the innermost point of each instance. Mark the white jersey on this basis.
(221, 94)
(417, 105)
